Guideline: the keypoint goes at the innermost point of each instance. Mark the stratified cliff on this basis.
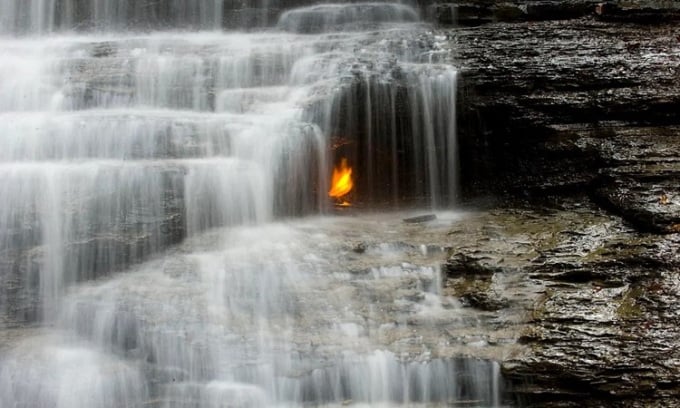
(577, 105)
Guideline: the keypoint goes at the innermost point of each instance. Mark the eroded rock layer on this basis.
(577, 106)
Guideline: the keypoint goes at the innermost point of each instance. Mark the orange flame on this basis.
(342, 182)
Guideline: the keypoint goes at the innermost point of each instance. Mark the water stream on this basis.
(166, 239)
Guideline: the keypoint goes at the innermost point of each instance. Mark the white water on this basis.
(116, 146)
(44, 16)
(279, 314)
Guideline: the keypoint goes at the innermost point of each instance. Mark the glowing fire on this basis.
(342, 182)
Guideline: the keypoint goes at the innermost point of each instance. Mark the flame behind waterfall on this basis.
(342, 182)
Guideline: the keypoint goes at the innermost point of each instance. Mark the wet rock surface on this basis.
(583, 108)
(575, 105)
(594, 301)
(478, 12)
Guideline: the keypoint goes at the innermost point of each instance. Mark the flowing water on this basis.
(160, 236)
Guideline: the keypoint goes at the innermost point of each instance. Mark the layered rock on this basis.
(580, 105)
(592, 304)
(559, 107)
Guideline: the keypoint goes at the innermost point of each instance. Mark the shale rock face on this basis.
(582, 105)
(577, 105)
(590, 303)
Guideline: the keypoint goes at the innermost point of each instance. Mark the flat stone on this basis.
(420, 219)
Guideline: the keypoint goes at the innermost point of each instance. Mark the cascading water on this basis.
(142, 176)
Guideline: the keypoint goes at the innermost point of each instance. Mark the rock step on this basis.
(200, 71)
(142, 133)
(339, 17)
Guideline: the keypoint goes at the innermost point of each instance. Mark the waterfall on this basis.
(46, 16)
(154, 168)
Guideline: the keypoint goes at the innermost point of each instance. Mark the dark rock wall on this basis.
(574, 105)
(581, 106)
